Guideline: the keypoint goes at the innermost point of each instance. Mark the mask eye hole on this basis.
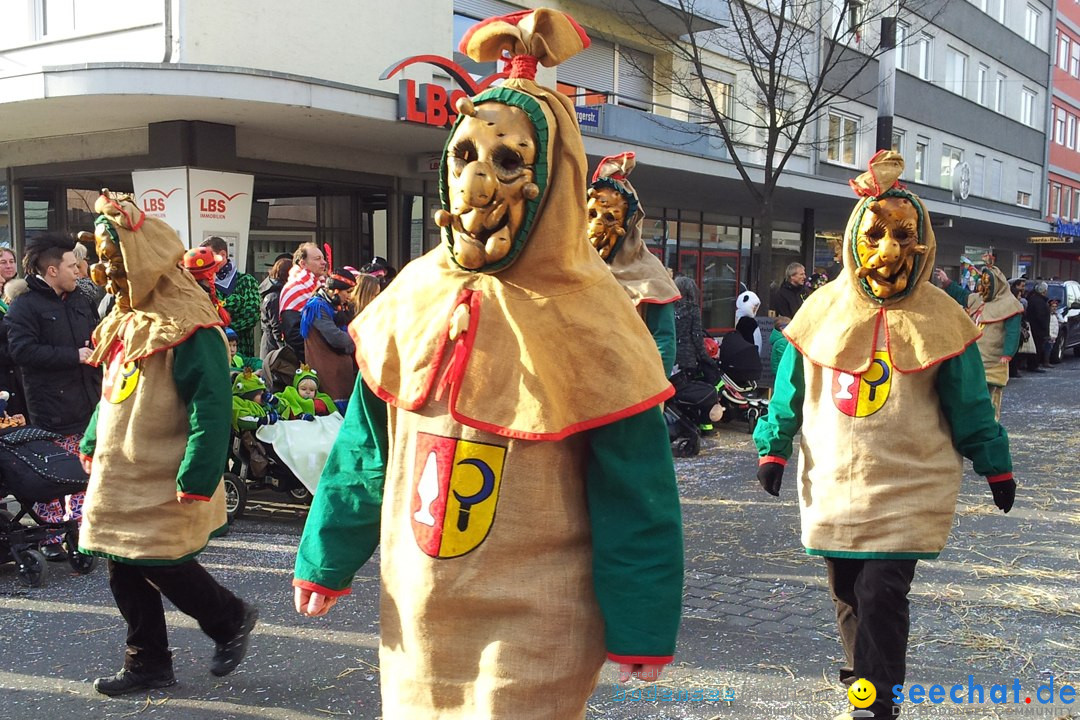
(465, 151)
(609, 217)
(508, 162)
(592, 213)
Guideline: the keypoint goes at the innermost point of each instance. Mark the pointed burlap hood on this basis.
(543, 351)
(167, 305)
(641, 274)
(840, 323)
(1002, 304)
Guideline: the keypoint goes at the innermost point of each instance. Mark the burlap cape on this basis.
(167, 305)
(547, 351)
(839, 324)
(641, 274)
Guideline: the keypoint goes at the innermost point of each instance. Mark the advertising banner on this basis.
(199, 204)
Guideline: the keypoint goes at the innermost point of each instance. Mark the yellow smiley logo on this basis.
(862, 693)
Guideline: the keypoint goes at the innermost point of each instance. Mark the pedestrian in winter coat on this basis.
(269, 307)
(240, 294)
(1038, 317)
(789, 297)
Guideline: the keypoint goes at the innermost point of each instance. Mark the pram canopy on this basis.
(740, 359)
(34, 468)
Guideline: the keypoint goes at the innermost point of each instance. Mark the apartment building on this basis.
(1060, 251)
(339, 117)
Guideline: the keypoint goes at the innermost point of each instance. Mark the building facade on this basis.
(341, 123)
(1060, 256)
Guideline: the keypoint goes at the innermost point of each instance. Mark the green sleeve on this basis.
(774, 432)
(961, 386)
(779, 345)
(1012, 336)
(342, 529)
(246, 414)
(243, 303)
(201, 374)
(660, 319)
(88, 444)
(636, 536)
(959, 293)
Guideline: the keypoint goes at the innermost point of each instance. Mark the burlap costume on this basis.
(888, 394)
(644, 278)
(993, 318)
(140, 435)
(488, 615)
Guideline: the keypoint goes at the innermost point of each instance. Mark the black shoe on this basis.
(1036, 370)
(54, 552)
(126, 681)
(229, 654)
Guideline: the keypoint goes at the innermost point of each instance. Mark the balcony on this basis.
(640, 128)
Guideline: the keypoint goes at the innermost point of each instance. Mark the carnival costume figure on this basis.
(886, 383)
(155, 449)
(526, 507)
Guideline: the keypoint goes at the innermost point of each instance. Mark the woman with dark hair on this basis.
(9, 375)
(270, 291)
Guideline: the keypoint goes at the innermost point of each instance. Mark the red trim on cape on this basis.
(641, 659)
(434, 371)
(1002, 319)
(191, 496)
(565, 432)
(315, 587)
(888, 349)
(766, 459)
(155, 351)
(1003, 477)
(650, 301)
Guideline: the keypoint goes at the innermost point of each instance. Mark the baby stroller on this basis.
(33, 468)
(239, 478)
(740, 369)
(687, 410)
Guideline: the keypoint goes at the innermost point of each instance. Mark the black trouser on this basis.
(872, 614)
(138, 590)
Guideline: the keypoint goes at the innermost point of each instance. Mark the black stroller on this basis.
(688, 410)
(740, 365)
(33, 468)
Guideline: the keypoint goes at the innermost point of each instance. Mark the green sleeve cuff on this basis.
(342, 529)
(201, 374)
(774, 432)
(965, 400)
(636, 535)
(88, 444)
(660, 319)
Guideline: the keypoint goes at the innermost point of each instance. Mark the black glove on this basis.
(770, 475)
(1004, 494)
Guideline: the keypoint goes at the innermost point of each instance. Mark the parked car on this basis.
(1067, 293)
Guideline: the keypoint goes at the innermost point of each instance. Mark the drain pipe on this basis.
(168, 33)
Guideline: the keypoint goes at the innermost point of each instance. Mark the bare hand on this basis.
(84, 355)
(648, 673)
(87, 462)
(312, 603)
(940, 277)
(185, 500)
(1005, 360)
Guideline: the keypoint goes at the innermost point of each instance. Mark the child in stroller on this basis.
(692, 409)
(34, 468)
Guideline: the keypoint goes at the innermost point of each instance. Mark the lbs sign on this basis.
(430, 104)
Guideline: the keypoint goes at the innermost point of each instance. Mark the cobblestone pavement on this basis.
(1002, 602)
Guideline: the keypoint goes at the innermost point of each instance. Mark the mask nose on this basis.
(889, 250)
(477, 184)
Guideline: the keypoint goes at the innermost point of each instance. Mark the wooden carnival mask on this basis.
(887, 245)
(490, 172)
(109, 272)
(607, 218)
(986, 285)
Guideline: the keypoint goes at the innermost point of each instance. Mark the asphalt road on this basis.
(1001, 603)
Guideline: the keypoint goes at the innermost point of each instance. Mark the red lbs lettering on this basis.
(212, 205)
(154, 204)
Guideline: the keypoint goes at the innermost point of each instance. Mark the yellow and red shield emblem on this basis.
(863, 394)
(454, 492)
(121, 377)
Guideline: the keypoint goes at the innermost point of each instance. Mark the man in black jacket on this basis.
(49, 340)
(1038, 317)
(789, 297)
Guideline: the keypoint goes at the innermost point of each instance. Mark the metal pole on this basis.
(886, 83)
